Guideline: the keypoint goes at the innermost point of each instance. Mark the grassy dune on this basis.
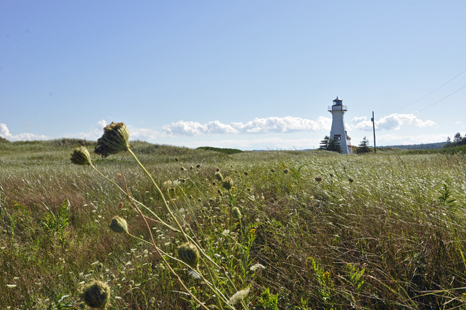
(329, 231)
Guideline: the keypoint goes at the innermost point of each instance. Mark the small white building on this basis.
(338, 125)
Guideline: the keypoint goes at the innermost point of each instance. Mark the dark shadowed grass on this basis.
(379, 231)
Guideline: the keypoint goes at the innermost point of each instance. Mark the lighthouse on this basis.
(338, 125)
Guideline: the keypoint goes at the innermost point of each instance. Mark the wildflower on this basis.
(257, 266)
(238, 296)
(119, 225)
(167, 184)
(81, 156)
(96, 294)
(194, 274)
(114, 140)
(189, 254)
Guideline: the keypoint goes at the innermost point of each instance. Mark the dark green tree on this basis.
(334, 145)
(324, 143)
(363, 147)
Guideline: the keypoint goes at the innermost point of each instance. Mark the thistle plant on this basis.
(96, 294)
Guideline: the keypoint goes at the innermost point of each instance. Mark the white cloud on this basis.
(391, 122)
(5, 133)
(259, 144)
(97, 131)
(415, 139)
(285, 124)
(102, 123)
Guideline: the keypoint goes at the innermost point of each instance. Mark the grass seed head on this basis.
(114, 140)
(81, 156)
(96, 294)
(189, 254)
(119, 225)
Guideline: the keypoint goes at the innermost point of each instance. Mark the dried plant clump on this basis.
(81, 156)
(189, 254)
(114, 140)
(218, 176)
(119, 225)
(228, 183)
(96, 294)
(236, 213)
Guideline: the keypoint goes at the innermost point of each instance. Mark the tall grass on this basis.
(378, 231)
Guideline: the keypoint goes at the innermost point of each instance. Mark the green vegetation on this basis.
(363, 147)
(332, 145)
(221, 150)
(299, 230)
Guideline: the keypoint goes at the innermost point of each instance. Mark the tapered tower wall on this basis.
(338, 126)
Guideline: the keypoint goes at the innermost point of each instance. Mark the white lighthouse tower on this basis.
(338, 125)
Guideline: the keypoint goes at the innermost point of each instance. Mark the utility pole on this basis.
(373, 128)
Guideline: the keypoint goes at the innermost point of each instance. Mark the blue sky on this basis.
(242, 74)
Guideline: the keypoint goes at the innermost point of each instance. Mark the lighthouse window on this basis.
(337, 137)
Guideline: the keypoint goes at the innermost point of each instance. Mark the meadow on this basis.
(286, 229)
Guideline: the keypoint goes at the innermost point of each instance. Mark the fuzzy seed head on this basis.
(81, 156)
(114, 140)
(189, 254)
(96, 294)
(119, 225)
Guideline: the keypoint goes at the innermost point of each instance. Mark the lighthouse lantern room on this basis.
(338, 125)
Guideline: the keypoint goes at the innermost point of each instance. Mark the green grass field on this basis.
(317, 230)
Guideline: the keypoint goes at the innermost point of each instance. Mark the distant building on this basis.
(338, 125)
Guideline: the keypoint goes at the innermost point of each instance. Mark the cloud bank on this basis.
(390, 122)
(285, 124)
(5, 133)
